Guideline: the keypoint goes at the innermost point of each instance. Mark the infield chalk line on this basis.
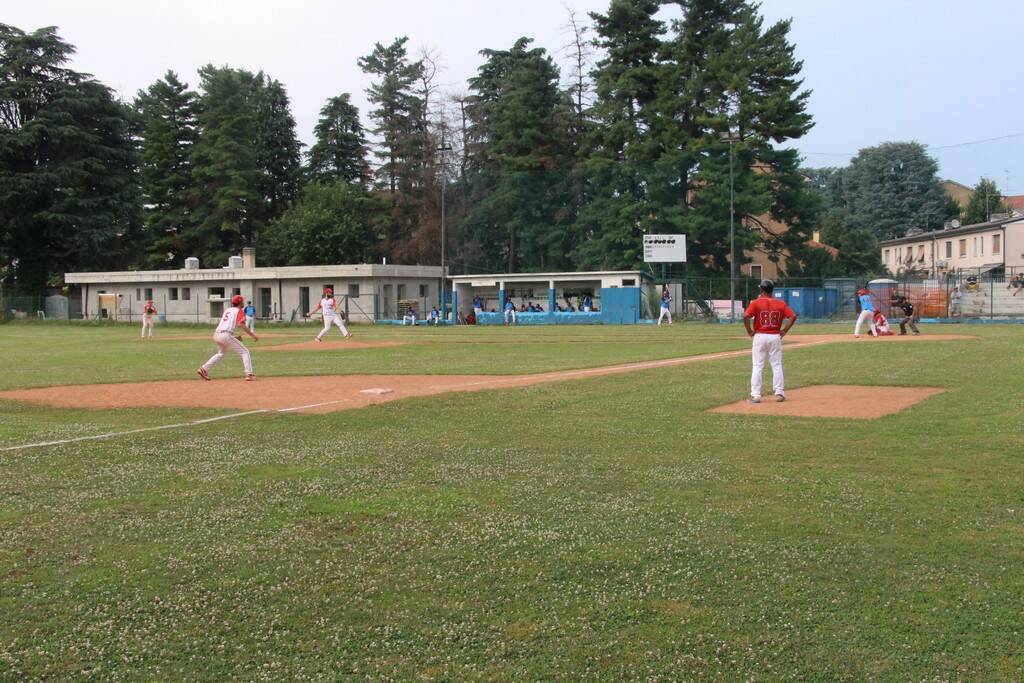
(542, 377)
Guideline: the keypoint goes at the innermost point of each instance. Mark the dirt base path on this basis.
(342, 392)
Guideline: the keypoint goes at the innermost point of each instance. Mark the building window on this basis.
(424, 291)
(235, 291)
(304, 300)
(920, 252)
(353, 291)
(630, 282)
(885, 256)
(949, 248)
(755, 271)
(149, 293)
(186, 293)
(996, 246)
(172, 293)
(215, 293)
(963, 248)
(401, 292)
(981, 245)
(138, 294)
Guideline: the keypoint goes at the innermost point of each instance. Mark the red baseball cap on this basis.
(237, 299)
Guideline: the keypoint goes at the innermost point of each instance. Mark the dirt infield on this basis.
(342, 392)
(832, 400)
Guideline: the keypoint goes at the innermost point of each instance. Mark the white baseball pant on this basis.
(512, 313)
(225, 341)
(665, 312)
(865, 315)
(335, 320)
(767, 347)
(147, 324)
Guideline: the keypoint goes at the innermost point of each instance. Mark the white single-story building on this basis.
(192, 294)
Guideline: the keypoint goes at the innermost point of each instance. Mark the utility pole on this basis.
(444, 147)
(728, 137)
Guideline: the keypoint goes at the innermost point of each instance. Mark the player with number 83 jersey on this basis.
(768, 314)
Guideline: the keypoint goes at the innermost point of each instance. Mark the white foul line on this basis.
(111, 435)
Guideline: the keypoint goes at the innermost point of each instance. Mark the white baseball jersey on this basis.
(231, 318)
(328, 306)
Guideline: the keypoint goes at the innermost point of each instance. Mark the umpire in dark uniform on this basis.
(909, 315)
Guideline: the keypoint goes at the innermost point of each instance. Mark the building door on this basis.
(387, 303)
(265, 302)
(304, 300)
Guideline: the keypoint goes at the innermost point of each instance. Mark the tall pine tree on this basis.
(520, 120)
(69, 196)
(279, 153)
(340, 149)
(167, 119)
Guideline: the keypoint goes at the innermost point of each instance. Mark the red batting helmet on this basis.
(237, 300)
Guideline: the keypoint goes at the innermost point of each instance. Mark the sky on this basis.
(942, 72)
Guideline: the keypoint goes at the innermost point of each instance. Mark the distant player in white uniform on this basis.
(332, 316)
(148, 312)
(224, 337)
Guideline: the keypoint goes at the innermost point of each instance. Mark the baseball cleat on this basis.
(203, 373)
(755, 399)
(250, 378)
(780, 398)
(856, 336)
(318, 339)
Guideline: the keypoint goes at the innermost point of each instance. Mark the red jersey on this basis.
(768, 313)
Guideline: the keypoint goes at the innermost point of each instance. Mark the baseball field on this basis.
(522, 504)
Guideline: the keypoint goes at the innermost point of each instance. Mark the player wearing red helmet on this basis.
(332, 316)
(224, 337)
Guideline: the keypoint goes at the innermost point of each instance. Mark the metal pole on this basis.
(732, 241)
(444, 181)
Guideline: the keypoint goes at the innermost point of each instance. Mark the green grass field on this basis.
(601, 529)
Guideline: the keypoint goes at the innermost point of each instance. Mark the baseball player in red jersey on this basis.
(224, 337)
(768, 313)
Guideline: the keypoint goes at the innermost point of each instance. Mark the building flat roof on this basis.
(537, 277)
(953, 232)
(361, 270)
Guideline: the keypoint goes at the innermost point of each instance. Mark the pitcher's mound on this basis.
(834, 400)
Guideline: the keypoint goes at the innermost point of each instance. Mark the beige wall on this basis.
(978, 251)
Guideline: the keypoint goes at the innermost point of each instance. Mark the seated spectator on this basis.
(538, 308)
(435, 317)
(410, 317)
(471, 319)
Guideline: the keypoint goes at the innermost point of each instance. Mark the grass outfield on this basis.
(601, 529)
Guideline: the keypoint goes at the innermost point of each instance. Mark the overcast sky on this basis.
(942, 72)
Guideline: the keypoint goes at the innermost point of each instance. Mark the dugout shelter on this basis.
(620, 297)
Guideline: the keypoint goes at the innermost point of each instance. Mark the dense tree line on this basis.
(539, 169)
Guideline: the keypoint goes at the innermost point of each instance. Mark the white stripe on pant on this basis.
(767, 347)
(865, 315)
(225, 341)
(335, 319)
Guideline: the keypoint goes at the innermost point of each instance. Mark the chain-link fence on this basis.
(960, 296)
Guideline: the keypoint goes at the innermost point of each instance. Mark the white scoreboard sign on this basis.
(664, 248)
